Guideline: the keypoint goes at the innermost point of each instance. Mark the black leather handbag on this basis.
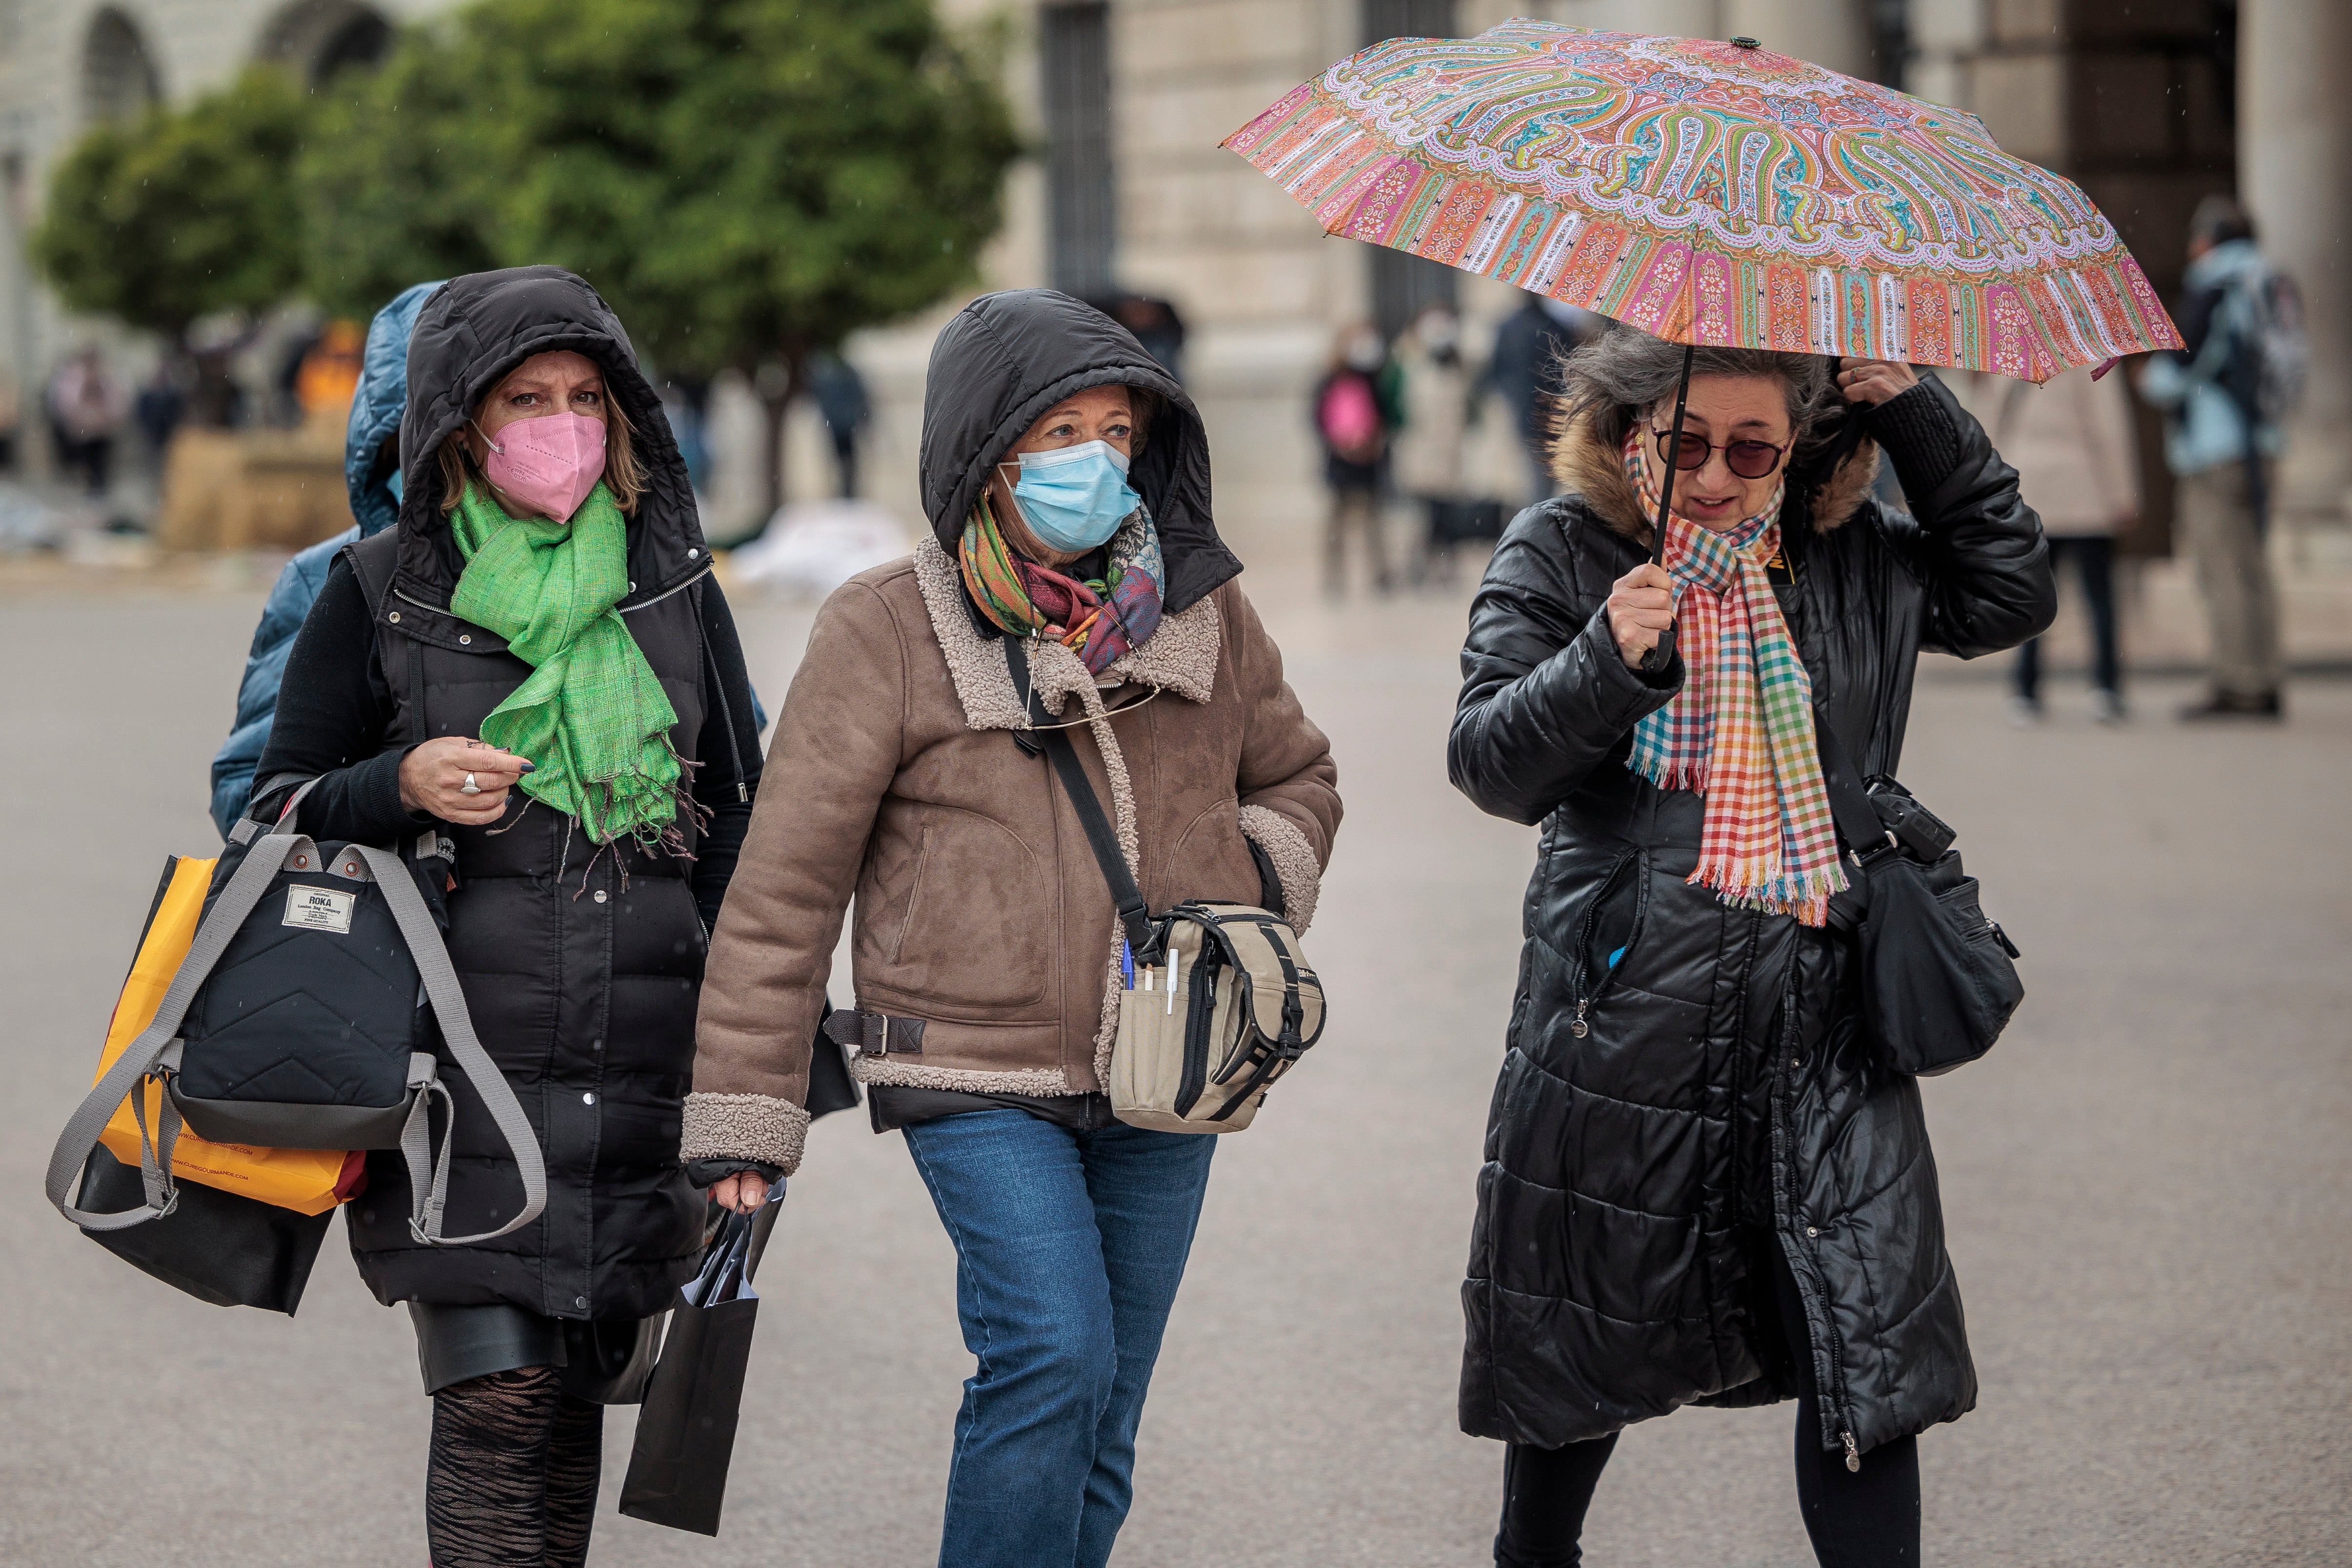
(1939, 980)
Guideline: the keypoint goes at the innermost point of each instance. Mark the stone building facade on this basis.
(2149, 105)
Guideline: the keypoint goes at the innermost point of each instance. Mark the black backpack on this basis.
(305, 1016)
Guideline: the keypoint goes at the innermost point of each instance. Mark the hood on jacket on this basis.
(1586, 465)
(469, 336)
(1007, 358)
(2228, 264)
(376, 408)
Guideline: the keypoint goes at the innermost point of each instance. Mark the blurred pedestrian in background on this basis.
(684, 400)
(843, 404)
(1701, 1186)
(12, 421)
(2224, 394)
(2071, 443)
(372, 479)
(1066, 478)
(1529, 346)
(536, 663)
(161, 405)
(86, 409)
(327, 374)
(1427, 453)
(1357, 410)
(1155, 324)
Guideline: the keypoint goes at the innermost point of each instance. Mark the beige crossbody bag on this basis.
(1217, 1000)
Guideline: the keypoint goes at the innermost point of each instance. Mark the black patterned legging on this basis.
(511, 1482)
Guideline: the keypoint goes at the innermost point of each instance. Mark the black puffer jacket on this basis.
(1716, 1099)
(581, 968)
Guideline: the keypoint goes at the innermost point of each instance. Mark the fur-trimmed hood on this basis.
(1588, 467)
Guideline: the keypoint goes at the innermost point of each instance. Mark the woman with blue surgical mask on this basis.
(1074, 578)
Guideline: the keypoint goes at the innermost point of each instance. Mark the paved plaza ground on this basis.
(2148, 1184)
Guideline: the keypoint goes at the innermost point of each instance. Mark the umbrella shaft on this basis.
(1674, 459)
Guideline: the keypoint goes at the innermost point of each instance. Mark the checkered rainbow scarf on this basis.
(1740, 731)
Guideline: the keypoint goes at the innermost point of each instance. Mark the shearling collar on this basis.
(1581, 462)
(1181, 657)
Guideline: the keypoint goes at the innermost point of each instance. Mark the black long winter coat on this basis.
(582, 969)
(1716, 1099)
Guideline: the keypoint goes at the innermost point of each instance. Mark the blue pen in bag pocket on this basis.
(1127, 965)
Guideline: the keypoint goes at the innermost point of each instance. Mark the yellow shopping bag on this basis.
(308, 1181)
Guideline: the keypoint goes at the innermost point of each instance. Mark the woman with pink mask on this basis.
(535, 665)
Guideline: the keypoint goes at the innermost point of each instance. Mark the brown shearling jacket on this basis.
(979, 908)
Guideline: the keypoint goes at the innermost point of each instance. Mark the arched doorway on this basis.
(118, 80)
(322, 38)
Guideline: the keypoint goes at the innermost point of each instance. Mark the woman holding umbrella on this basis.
(1701, 1184)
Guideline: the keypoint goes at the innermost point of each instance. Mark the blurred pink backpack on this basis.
(1349, 418)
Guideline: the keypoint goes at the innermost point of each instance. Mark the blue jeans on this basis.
(1069, 1248)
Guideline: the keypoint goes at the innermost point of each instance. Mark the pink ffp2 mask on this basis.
(548, 464)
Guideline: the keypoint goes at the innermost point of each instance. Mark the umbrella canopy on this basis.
(1713, 193)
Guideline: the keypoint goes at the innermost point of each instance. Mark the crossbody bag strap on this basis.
(441, 988)
(155, 1044)
(1134, 913)
(1857, 820)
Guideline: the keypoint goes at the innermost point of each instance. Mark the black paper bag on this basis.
(686, 1430)
(219, 1246)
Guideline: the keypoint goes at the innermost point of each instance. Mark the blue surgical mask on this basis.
(392, 484)
(1074, 498)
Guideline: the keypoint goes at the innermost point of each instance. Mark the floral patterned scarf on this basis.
(1100, 619)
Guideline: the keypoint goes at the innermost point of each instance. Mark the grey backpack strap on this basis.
(247, 827)
(440, 979)
(157, 1049)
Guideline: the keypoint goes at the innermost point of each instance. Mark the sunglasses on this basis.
(1749, 459)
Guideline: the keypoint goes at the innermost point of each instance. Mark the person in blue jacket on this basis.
(371, 473)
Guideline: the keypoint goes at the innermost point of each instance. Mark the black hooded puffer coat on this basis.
(1658, 1124)
(581, 968)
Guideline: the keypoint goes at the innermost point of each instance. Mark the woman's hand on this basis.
(1875, 381)
(1641, 609)
(743, 1192)
(433, 779)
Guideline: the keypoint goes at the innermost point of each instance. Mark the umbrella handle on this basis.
(1662, 652)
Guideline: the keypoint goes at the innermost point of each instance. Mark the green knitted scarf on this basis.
(592, 715)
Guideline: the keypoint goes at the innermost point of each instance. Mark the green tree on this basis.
(747, 180)
(390, 182)
(182, 214)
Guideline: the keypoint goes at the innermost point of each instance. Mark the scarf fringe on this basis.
(1671, 773)
(1757, 884)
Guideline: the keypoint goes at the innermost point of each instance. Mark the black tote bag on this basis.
(686, 1428)
(219, 1246)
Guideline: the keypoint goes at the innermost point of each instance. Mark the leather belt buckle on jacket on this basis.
(874, 1034)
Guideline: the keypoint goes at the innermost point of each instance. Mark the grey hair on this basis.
(1624, 373)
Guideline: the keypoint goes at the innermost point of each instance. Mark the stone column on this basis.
(2294, 163)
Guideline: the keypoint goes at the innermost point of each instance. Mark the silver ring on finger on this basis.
(470, 786)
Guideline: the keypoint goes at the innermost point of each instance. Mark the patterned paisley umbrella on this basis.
(1712, 194)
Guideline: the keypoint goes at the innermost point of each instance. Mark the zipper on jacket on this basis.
(623, 609)
(1807, 1277)
(1587, 994)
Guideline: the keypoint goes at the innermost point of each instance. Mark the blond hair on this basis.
(623, 476)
